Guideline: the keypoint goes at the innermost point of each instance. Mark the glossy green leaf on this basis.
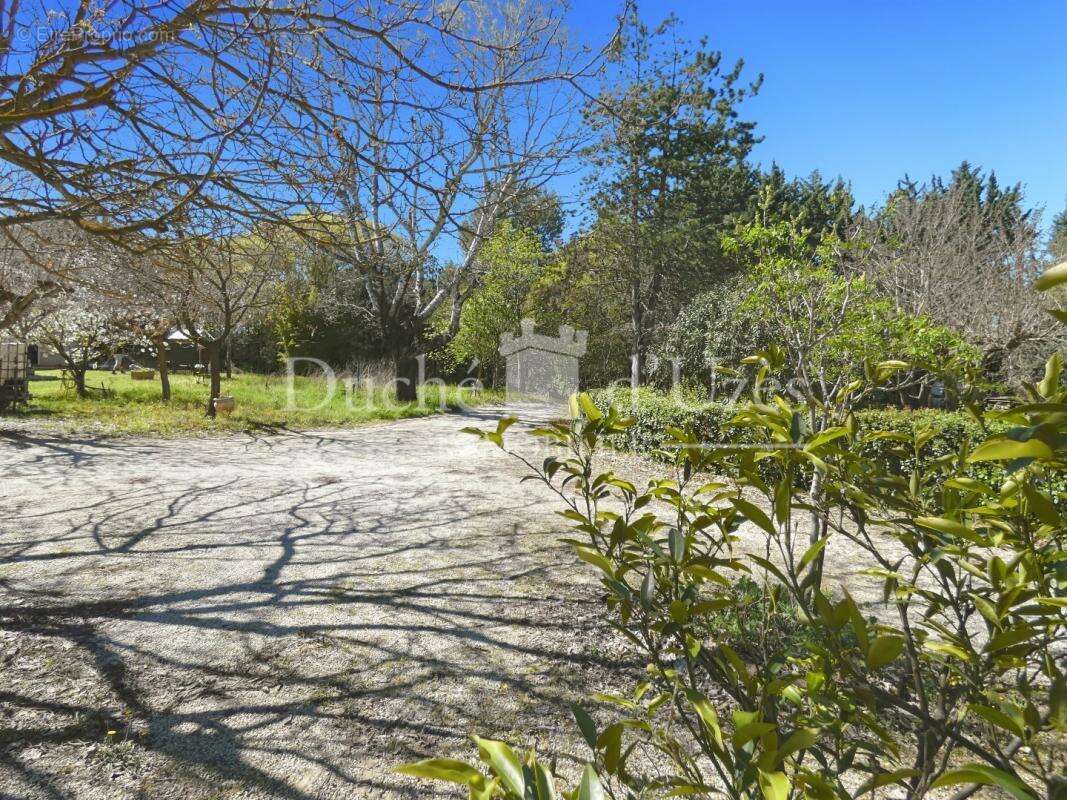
(811, 554)
(585, 724)
(444, 769)
(1053, 369)
(1054, 276)
(968, 485)
(774, 785)
(985, 776)
(544, 786)
(884, 650)
(588, 407)
(610, 742)
(754, 514)
(1009, 638)
(884, 779)
(946, 648)
(997, 718)
(769, 566)
(949, 526)
(800, 739)
(596, 559)
(676, 540)
(1009, 450)
(648, 589)
(825, 437)
(752, 730)
(504, 763)
(708, 716)
(590, 788)
(1057, 703)
(1042, 507)
(783, 498)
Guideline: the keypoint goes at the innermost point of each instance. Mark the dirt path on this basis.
(278, 617)
(288, 616)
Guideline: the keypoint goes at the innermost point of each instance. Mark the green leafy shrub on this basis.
(952, 432)
(958, 684)
(654, 413)
(761, 623)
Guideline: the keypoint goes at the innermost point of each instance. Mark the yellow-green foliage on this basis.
(134, 407)
(513, 260)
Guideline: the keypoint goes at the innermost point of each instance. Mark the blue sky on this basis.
(872, 89)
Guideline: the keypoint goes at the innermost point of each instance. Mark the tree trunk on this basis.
(637, 366)
(407, 379)
(214, 356)
(79, 383)
(229, 359)
(163, 367)
(818, 531)
(637, 321)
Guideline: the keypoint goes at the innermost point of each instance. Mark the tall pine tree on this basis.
(1057, 245)
(669, 170)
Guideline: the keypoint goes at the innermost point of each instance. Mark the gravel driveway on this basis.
(286, 616)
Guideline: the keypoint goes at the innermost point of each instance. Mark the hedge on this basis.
(656, 411)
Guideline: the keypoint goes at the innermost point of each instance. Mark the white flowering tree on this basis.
(36, 263)
(82, 326)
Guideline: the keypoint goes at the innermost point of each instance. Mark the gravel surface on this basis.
(288, 616)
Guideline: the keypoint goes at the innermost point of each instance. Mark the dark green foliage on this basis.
(821, 207)
(576, 289)
(655, 412)
(715, 327)
(538, 211)
(999, 209)
(953, 430)
(669, 171)
(255, 348)
(1057, 245)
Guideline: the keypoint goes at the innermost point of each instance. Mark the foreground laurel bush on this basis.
(956, 683)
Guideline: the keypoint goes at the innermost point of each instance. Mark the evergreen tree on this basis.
(1000, 213)
(1057, 246)
(669, 170)
(812, 204)
(538, 211)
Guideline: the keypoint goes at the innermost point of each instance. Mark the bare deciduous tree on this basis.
(941, 251)
(218, 276)
(121, 119)
(116, 116)
(153, 304)
(407, 171)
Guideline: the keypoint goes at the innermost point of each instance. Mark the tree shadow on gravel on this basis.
(281, 638)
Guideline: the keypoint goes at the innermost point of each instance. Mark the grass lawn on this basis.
(134, 407)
